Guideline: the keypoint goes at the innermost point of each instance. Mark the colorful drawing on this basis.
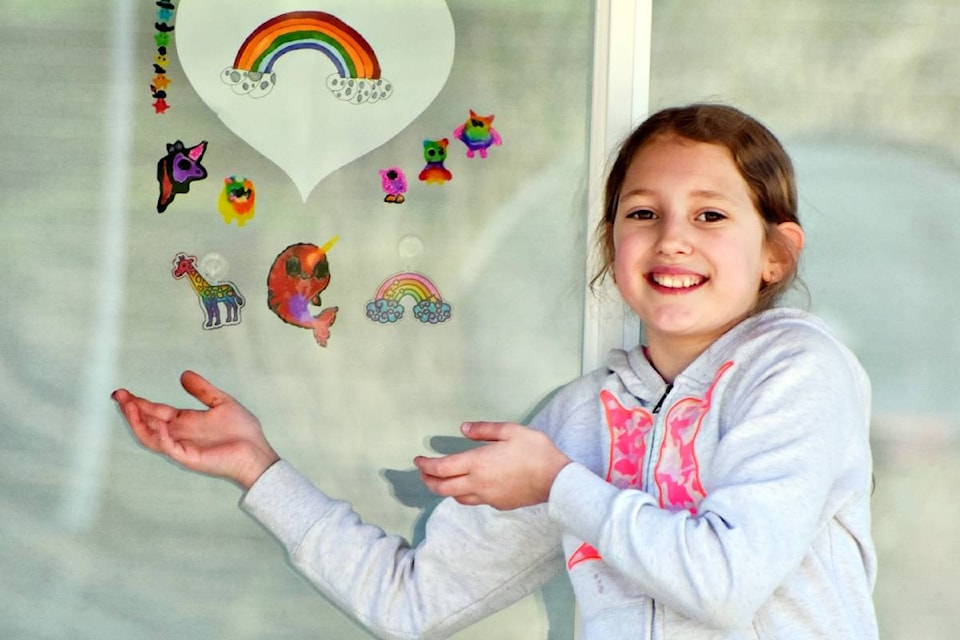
(478, 134)
(237, 200)
(210, 295)
(298, 126)
(298, 276)
(161, 61)
(429, 307)
(177, 169)
(394, 184)
(435, 153)
(357, 79)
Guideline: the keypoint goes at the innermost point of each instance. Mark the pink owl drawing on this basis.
(394, 184)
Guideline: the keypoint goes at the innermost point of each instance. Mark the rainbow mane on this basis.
(429, 307)
(357, 78)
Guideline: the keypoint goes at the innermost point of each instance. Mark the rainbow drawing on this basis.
(429, 306)
(350, 53)
(357, 78)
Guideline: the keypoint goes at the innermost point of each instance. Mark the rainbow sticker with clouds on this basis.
(429, 307)
(357, 78)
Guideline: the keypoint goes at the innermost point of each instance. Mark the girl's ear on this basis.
(784, 251)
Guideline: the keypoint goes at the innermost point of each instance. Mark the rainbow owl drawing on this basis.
(478, 134)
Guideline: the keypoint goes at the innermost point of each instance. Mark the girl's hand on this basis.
(515, 469)
(224, 440)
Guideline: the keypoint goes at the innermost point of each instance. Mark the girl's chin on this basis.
(686, 329)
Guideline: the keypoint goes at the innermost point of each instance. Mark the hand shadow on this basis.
(557, 594)
(407, 488)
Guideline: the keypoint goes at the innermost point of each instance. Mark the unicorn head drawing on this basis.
(177, 169)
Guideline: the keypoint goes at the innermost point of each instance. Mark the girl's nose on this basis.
(674, 236)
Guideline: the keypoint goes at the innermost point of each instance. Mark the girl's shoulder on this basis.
(790, 342)
(577, 401)
(790, 331)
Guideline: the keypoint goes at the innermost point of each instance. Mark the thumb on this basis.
(485, 431)
(201, 389)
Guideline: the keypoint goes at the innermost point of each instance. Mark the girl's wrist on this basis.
(258, 466)
(557, 465)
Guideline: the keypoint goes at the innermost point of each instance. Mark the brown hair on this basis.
(758, 155)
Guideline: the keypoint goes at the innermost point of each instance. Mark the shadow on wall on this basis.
(406, 487)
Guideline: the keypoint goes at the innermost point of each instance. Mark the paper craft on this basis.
(299, 274)
(357, 79)
(177, 169)
(478, 134)
(394, 184)
(315, 66)
(435, 153)
(428, 308)
(210, 295)
(237, 200)
(161, 61)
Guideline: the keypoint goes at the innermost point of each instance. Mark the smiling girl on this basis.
(712, 483)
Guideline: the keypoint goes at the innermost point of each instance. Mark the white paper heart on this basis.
(293, 114)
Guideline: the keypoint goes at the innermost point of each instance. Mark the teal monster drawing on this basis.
(435, 153)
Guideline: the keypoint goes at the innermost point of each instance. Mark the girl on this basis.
(713, 483)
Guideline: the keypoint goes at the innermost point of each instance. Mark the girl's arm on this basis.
(472, 562)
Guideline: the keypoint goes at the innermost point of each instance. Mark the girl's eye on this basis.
(641, 214)
(711, 216)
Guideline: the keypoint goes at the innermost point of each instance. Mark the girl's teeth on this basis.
(676, 281)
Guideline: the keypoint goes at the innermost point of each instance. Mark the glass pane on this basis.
(103, 540)
(866, 102)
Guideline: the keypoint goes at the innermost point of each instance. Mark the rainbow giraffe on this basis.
(210, 295)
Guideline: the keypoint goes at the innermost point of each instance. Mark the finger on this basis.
(450, 466)
(164, 443)
(124, 400)
(127, 406)
(456, 487)
(201, 389)
(142, 429)
(487, 431)
(156, 410)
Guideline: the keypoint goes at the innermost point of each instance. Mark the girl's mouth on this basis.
(676, 281)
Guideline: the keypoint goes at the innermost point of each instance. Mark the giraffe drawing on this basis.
(210, 295)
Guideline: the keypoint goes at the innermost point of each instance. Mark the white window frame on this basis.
(621, 88)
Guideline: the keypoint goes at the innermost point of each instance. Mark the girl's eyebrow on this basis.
(635, 192)
(699, 193)
(709, 193)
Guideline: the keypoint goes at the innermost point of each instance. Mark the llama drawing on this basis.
(211, 296)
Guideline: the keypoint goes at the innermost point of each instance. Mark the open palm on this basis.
(223, 440)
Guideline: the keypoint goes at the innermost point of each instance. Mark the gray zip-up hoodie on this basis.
(734, 503)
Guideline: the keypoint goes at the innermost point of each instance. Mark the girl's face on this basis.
(690, 249)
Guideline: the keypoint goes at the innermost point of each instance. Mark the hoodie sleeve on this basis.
(793, 450)
(473, 560)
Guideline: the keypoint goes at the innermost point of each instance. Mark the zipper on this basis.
(659, 405)
(654, 450)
